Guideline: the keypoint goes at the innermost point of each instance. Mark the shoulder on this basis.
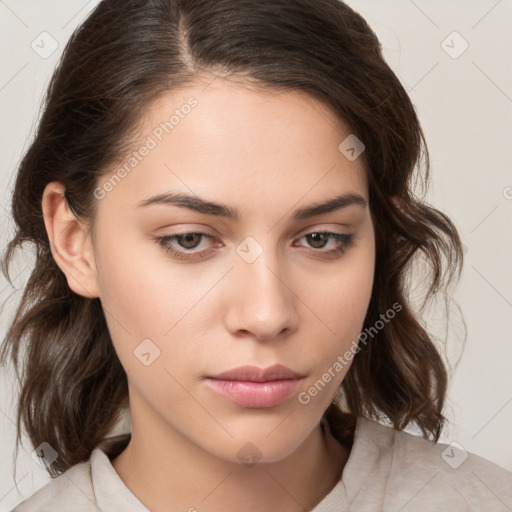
(421, 470)
(77, 488)
(72, 490)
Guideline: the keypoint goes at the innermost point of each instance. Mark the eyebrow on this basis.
(203, 206)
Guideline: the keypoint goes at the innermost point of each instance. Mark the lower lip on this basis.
(254, 394)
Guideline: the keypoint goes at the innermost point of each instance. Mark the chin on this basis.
(268, 445)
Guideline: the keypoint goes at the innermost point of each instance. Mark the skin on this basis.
(293, 305)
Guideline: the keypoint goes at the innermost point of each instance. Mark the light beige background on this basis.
(464, 100)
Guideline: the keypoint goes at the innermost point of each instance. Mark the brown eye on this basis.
(319, 240)
(190, 240)
(181, 245)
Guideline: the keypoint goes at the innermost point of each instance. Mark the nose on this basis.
(263, 304)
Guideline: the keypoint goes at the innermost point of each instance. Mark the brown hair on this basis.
(126, 54)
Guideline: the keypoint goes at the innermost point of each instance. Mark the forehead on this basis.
(245, 145)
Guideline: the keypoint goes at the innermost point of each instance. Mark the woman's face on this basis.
(259, 288)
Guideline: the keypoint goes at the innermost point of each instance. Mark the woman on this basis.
(220, 194)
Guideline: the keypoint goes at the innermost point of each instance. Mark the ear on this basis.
(70, 242)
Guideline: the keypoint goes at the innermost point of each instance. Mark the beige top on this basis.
(387, 470)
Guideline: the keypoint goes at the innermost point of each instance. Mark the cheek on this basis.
(339, 302)
(135, 296)
(158, 300)
(139, 285)
(340, 298)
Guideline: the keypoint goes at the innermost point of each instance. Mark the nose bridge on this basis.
(264, 302)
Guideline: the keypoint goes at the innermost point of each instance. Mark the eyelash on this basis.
(344, 241)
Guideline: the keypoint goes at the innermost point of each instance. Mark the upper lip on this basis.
(255, 374)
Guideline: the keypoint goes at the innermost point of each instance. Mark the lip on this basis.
(250, 386)
(255, 374)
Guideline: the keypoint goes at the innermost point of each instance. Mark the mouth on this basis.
(253, 387)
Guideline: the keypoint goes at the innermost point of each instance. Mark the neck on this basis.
(184, 477)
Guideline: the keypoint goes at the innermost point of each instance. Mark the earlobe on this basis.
(70, 242)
